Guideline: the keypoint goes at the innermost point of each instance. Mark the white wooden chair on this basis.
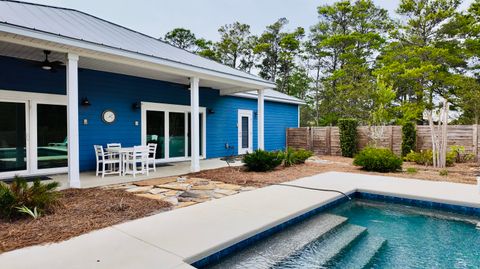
(152, 153)
(138, 156)
(103, 160)
(114, 154)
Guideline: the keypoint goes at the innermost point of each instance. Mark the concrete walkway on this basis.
(177, 238)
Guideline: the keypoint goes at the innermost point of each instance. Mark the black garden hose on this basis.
(313, 189)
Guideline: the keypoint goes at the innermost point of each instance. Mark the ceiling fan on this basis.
(49, 65)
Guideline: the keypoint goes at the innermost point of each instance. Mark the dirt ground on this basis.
(81, 211)
(460, 173)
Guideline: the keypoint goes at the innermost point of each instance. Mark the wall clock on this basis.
(108, 116)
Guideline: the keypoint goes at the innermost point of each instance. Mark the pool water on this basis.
(371, 234)
(414, 238)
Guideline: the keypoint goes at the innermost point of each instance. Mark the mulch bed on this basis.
(460, 173)
(81, 211)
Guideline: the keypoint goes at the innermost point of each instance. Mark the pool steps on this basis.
(361, 254)
(282, 245)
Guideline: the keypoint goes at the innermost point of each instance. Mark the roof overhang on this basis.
(226, 83)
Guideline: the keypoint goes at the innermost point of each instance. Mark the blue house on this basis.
(69, 80)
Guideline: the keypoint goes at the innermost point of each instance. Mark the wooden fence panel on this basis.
(326, 140)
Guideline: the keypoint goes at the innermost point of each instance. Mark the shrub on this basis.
(409, 138)
(291, 156)
(443, 172)
(412, 170)
(262, 161)
(348, 136)
(19, 194)
(302, 155)
(378, 160)
(458, 152)
(425, 157)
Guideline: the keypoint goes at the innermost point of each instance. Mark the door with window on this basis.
(245, 131)
(169, 126)
(33, 134)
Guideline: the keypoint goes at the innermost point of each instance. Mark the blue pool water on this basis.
(380, 235)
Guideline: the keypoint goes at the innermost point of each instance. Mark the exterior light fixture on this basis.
(85, 101)
(136, 105)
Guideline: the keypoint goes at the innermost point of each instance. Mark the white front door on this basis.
(245, 131)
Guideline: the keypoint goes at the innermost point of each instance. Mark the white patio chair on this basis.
(152, 153)
(103, 160)
(115, 146)
(138, 156)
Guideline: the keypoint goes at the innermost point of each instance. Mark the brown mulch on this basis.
(460, 173)
(80, 211)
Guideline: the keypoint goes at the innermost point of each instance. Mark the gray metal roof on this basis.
(78, 25)
(272, 95)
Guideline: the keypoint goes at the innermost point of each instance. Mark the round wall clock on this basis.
(108, 116)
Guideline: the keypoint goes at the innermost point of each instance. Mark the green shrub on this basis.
(295, 156)
(412, 170)
(458, 152)
(425, 157)
(378, 160)
(262, 161)
(348, 136)
(443, 172)
(409, 138)
(19, 194)
(302, 155)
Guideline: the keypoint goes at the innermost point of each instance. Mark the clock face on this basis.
(108, 116)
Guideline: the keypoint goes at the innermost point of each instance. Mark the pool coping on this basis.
(216, 257)
(175, 239)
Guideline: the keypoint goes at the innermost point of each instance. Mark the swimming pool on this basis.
(369, 234)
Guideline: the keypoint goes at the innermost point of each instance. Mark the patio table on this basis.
(122, 152)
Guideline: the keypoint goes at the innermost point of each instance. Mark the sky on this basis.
(203, 17)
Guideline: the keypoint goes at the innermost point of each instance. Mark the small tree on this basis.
(381, 114)
(348, 136)
(409, 138)
(439, 135)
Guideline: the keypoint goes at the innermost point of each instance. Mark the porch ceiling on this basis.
(134, 69)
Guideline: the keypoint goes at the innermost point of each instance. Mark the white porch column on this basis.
(72, 121)
(195, 124)
(260, 119)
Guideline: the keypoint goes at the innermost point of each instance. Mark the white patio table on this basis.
(122, 152)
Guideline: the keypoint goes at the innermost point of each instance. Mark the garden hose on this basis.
(313, 189)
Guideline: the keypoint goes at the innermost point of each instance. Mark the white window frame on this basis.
(31, 100)
(249, 114)
(167, 108)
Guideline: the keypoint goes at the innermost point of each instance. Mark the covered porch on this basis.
(119, 77)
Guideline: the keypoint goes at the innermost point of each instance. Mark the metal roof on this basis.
(77, 25)
(272, 95)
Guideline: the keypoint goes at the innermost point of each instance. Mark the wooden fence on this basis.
(326, 140)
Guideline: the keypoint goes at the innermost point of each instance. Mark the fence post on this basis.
(475, 142)
(391, 138)
(310, 138)
(328, 141)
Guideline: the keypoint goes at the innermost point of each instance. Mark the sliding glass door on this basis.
(33, 134)
(169, 127)
(51, 136)
(13, 142)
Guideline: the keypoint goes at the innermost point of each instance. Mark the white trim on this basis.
(31, 100)
(249, 114)
(298, 115)
(195, 124)
(249, 95)
(260, 119)
(166, 108)
(72, 121)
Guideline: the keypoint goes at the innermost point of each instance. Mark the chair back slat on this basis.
(152, 150)
(114, 145)
(99, 153)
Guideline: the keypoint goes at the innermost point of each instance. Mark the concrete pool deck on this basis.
(176, 238)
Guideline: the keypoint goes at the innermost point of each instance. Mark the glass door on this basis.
(245, 131)
(177, 134)
(13, 137)
(156, 131)
(51, 136)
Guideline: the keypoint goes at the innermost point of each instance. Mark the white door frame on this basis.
(249, 115)
(167, 108)
(31, 100)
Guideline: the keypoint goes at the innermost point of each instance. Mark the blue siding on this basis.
(118, 93)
